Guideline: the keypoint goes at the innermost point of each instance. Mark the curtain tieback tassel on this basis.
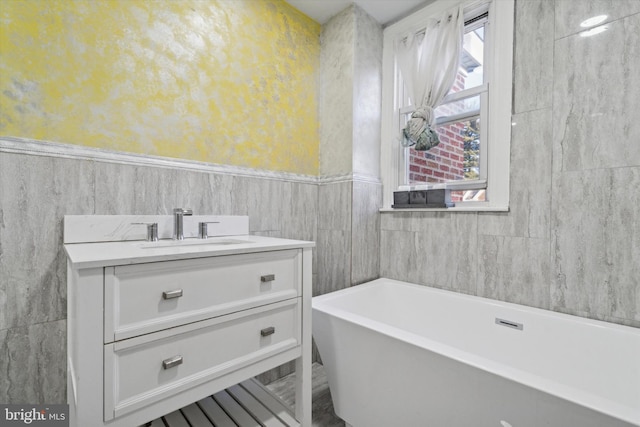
(419, 131)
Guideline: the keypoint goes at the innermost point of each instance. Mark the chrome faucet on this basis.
(178, 222)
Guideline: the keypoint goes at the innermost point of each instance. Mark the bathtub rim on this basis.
(322, 303)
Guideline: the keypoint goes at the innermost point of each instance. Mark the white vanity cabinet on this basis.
(153, 330)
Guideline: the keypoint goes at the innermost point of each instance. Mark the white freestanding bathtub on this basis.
(403, 355)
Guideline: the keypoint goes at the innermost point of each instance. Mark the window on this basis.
(473, 122)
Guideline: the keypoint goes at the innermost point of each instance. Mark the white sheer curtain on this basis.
(429, 65)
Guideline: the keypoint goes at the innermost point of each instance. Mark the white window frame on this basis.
(498, 77)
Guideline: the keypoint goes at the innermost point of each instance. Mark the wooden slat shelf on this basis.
(248, 404)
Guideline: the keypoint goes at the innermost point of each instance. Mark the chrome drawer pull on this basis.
(268, 331)
(172, 294)
(268, 278)
(171, 362)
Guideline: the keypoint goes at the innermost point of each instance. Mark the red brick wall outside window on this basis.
(444, 162)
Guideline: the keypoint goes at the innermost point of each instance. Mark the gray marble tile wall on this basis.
(348, 217)
(348, 243)
(571, 240)
(595, 218)
(348, 234)
(365, 232)
(37, 191)
(334, 237)
(437, 249)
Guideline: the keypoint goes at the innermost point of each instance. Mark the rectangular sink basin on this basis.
(192, 242)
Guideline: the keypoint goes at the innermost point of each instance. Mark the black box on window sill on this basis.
(415, 199)
(400, 198)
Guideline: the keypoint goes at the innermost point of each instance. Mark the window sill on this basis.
(475, 208)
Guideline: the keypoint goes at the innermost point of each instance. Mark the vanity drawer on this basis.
(146, 298)
(146, 369)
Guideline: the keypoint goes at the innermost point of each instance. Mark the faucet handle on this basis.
(152, 230)
(203, 232)
(182, 211)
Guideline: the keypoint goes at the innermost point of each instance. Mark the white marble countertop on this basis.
(105, 254)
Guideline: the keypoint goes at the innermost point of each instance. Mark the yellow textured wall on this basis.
(220, 81)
